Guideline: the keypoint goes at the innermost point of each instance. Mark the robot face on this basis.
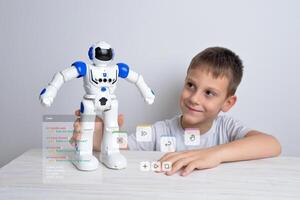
(103, 54)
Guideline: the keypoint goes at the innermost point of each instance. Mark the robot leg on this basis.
(84, 159)
(110, 154)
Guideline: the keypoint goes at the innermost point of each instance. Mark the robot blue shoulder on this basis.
(123, 70)
(81, 68)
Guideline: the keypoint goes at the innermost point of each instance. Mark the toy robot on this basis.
(100, 81)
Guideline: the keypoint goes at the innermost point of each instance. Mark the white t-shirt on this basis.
(224, 130)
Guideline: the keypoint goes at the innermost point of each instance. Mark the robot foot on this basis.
(114, 160)
(85, 162)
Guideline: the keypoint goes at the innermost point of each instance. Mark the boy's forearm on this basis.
(255, 145)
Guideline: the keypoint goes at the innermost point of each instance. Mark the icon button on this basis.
(155, 166)
(192, 137)
(145, 166)
(167, 144)
(120, 139)
(144, 133)
(166, 166)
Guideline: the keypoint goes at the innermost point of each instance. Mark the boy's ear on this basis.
(229, 102)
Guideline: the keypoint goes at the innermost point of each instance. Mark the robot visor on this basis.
(103, 54)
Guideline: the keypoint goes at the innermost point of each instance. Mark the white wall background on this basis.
(156, 38)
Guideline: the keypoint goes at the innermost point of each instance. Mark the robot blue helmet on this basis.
(81, 68)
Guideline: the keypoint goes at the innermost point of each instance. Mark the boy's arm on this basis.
(254, 145)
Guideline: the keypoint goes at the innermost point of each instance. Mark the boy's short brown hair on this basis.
(220, 62)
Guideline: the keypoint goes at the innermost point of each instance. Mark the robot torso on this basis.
(99, 77)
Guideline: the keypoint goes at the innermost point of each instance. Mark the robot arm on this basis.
(133, 77)
(47, 95)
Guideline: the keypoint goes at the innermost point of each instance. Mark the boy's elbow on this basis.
(271, 144)
(276, 146)
(279, 148)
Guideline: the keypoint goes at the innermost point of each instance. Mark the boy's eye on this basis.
(189, 85)
(210, 93)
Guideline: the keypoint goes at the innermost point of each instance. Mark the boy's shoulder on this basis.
(230, 127)
(226, 120)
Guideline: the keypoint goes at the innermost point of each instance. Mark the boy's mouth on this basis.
(193, 109)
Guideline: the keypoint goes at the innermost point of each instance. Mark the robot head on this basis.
(101, 53)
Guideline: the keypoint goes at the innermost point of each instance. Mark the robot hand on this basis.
(149, 96)
(47, 95)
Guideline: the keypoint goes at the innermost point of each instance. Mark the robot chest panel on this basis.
(103, 76)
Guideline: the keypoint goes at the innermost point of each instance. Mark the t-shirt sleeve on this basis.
(234, 128)
(135, 145)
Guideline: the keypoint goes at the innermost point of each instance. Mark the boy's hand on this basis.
(191, 160)
(98, 131)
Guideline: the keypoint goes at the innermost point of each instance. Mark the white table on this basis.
(275, 178)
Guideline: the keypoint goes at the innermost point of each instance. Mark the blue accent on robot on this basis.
(81, 108)
(81, 68)
(43, 91)
(123, 70)
(91, 53)
(103, 89)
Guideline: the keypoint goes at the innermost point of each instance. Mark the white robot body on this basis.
(100, 81)
(100, 77)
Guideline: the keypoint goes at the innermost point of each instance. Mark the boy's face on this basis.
(203, 97)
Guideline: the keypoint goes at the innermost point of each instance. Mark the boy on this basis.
(210, 85)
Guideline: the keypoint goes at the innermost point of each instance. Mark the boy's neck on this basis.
(203, 127)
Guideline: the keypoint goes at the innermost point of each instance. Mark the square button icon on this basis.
(120, 139)
(192, 137)
(144, 133)
(166, 166)
(167, 144)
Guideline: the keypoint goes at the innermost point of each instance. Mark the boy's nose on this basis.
(195, 99)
